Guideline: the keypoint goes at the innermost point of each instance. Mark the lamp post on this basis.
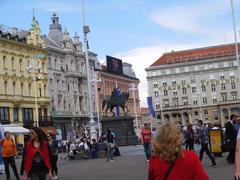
(86, 30)
(133, 88)
(34, 68)
(96, 81)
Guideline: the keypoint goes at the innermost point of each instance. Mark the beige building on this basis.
(18, 49)
(195, 84)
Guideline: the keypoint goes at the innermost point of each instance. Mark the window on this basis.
(55, 63)
(203, 88)
(205, 112)
(21, 89)
(4, 114)
(174, 93)
(192, 80)
(49, 62)
(155, 85)
(214, 100)
(191, 68)
(210, 66)
(157, 106)
(174, 83)
(201, 68)
(27, 114)
(196, 113)
(204, 100)
(234, 95)
(195, 102)
(14, 88)
(156, 94)
(175, 102)
(165, 92)
(45, 114)
(5, 87)
(40, 114)
(222, 76)
(185, 102)
(172, 71)
(220, 65)
(166, 104)
(163, 72)
(12, 63)
(223, 86)
(40, 92)
(194, 90)
(164, 83)
(182, 69)
(20, 65)
(233, 85)
(230, 64)
(29, 89)
(213, 87)
(15, 114)
(45, 90)
(183, 81)
(184, 90)
(4, 62)
(224, 96)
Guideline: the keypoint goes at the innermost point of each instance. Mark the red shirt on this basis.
(187, 168)
(146, 135)
(30, 152)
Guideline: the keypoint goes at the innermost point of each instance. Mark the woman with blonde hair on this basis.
(169, 161)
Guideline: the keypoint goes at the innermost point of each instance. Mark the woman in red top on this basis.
(170, 159)
(37, 164)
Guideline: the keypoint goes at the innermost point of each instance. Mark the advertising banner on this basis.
(150, 107)
(215, 140)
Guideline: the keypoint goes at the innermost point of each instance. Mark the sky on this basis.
(136, 31)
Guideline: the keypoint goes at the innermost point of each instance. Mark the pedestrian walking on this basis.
(189, 137)
(231, 136)
(110, 144)
(169, 161)
(237, 157)
(203, 136)
(53, 145)
(37, 164)
(146, 136)
(9, 151)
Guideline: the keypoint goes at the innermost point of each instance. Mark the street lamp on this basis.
(134, 88)
(34, 68)
(86, 30)
(96, 81)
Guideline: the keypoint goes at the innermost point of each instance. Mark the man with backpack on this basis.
(9, 151)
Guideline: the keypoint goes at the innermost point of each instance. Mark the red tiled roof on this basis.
(196, 54)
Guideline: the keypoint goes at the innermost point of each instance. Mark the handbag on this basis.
(168, 171)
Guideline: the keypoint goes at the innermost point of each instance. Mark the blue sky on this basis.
(137, 31)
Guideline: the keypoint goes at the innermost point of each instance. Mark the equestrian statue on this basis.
(115, 100)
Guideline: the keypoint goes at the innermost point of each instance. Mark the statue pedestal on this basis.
(123, 129)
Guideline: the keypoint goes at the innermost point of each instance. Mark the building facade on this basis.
(18, 50)
(67, 80)
(126, 82)
(195, 84)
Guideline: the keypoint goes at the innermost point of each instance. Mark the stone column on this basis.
(222, 118)
(190, 117)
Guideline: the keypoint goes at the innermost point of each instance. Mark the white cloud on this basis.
(190, 17)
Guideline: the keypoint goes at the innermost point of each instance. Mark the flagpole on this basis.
(235, 37)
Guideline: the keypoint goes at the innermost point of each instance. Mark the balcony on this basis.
(61, 113)
(75, 74)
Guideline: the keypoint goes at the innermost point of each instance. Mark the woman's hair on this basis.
(40, 134)
(168, 143)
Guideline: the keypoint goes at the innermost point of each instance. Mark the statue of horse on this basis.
(113, 101)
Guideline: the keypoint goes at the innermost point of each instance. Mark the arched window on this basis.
(21, 89)
(5, 87)
(14, 88)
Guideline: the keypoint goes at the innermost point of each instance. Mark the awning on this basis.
(49, 130)
(15, 129)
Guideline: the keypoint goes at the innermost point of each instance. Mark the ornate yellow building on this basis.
(23, 58)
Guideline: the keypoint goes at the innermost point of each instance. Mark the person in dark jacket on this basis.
(231, 136)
